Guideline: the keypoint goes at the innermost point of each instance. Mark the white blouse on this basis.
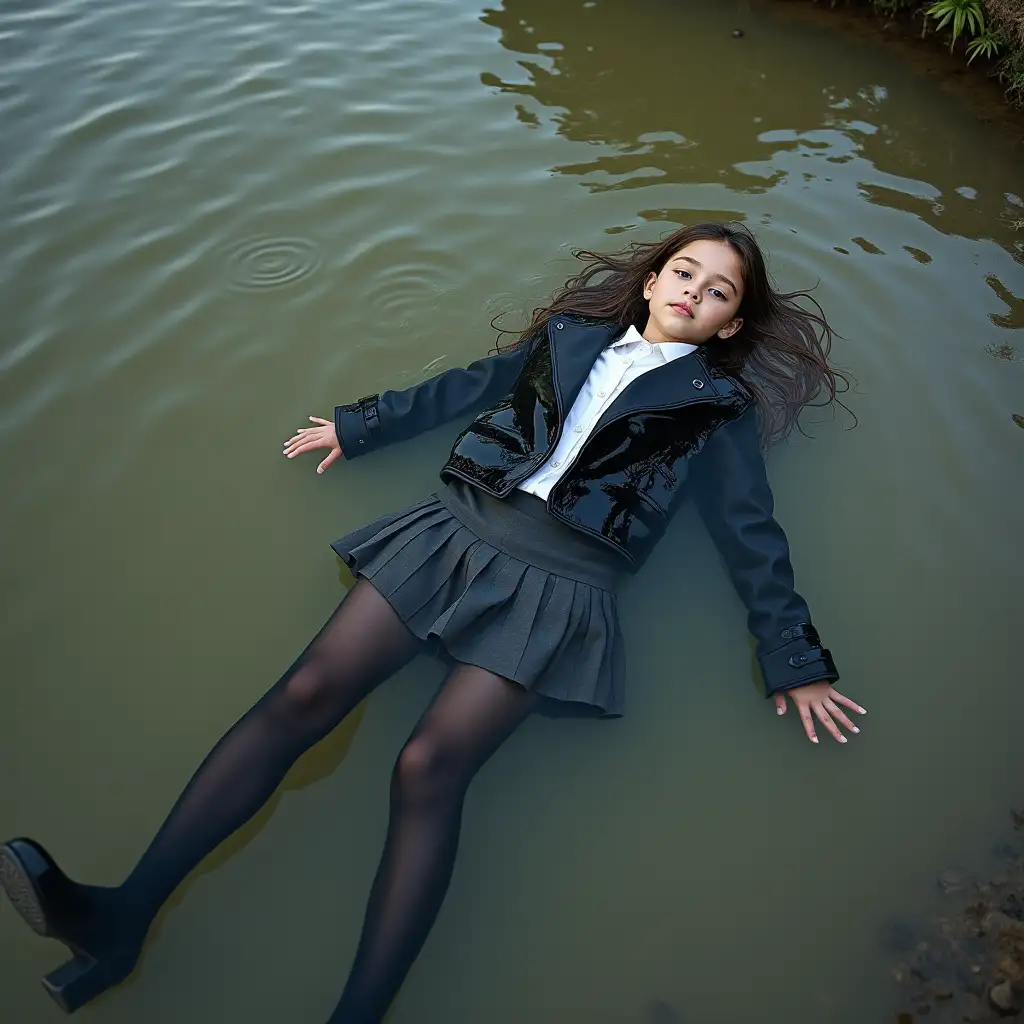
(621, 363)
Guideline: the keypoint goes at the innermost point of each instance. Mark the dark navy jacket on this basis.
(685, 427)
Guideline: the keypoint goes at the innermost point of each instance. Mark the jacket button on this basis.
(559, 325)
(698, 384)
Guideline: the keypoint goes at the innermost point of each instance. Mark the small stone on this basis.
(1017, 813)
(1019, 420)
(998, 881)
(1003, 998)
(905, 1018)
(738, 33)
(951, 881)
(942, 992)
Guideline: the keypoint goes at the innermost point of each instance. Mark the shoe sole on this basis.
(82, 978)
(17, 883)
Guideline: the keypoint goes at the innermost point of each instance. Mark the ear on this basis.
(730, 328)
(652, 280)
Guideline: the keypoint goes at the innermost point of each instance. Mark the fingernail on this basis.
(855, 729)
(319, 470)
(780, 711)
(842, 739)
(814, 739)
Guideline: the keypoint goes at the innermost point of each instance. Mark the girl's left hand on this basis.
(821, 701)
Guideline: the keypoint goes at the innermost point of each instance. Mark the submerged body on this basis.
(623, 395)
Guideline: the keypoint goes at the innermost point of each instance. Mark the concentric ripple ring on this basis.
(257, 264)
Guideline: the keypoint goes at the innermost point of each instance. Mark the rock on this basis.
(942, 992)
(1003, 998)
(738, 33)
(1001, 925)
(951, 881)
(1019, 420)
(1017, 813)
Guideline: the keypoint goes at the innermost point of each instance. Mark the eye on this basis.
(718, 294)
(683, 273)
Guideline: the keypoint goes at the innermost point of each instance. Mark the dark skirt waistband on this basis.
(521, 526)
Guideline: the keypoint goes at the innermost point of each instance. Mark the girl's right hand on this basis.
(310, 438)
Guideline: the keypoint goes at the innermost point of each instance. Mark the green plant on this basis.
(961, 13)
(988, 44)
(1011, 71)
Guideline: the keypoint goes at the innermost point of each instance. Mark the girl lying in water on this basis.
(656, 372)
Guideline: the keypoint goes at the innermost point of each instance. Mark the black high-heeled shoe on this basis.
(38, 890)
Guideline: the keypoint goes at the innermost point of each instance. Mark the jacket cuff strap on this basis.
(358, 426)
(800, 659)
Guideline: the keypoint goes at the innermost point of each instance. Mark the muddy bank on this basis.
(967, 964)
(973, 85)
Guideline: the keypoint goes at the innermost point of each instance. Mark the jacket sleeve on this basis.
(377, 420)
(731, 491)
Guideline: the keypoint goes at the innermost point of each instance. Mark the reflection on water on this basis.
(220, 218)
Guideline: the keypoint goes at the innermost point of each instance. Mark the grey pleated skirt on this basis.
(502, 584)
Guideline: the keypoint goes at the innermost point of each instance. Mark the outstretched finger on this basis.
(293, 445)
(805, 717)
(839, 715)
(826, 720)
(323, 423)
(306, 446)
(846, 702)
(335, 453)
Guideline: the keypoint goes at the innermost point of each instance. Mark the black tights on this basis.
(362, 644)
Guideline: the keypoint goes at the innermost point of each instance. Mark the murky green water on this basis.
(219, 217)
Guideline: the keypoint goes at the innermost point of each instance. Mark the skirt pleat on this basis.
(448, 565)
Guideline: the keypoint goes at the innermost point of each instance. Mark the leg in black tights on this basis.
(361, 645)
(473, 713)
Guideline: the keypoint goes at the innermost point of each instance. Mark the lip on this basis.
(683, 308)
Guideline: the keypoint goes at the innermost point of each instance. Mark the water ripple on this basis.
(257, 264)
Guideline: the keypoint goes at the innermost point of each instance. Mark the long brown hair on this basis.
(780, 353)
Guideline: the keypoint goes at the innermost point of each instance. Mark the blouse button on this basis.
(698, 384)
(559, 325)
(601, 394)
(579, 430)
(556, 464)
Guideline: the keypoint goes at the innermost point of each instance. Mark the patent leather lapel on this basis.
(575, 345)
(673, 385)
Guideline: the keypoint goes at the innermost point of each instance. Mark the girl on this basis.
(656, 371)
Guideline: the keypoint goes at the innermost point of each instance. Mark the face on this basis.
(696, 296)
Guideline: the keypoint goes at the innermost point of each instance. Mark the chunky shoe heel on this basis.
(83, 978)
(41, 892)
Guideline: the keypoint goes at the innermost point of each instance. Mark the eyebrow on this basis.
(720, 277)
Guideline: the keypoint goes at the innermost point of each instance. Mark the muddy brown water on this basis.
(218, 218)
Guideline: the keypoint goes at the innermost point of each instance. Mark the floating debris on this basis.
(1004, 351)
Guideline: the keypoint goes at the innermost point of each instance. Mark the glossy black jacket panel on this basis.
(686, 419)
